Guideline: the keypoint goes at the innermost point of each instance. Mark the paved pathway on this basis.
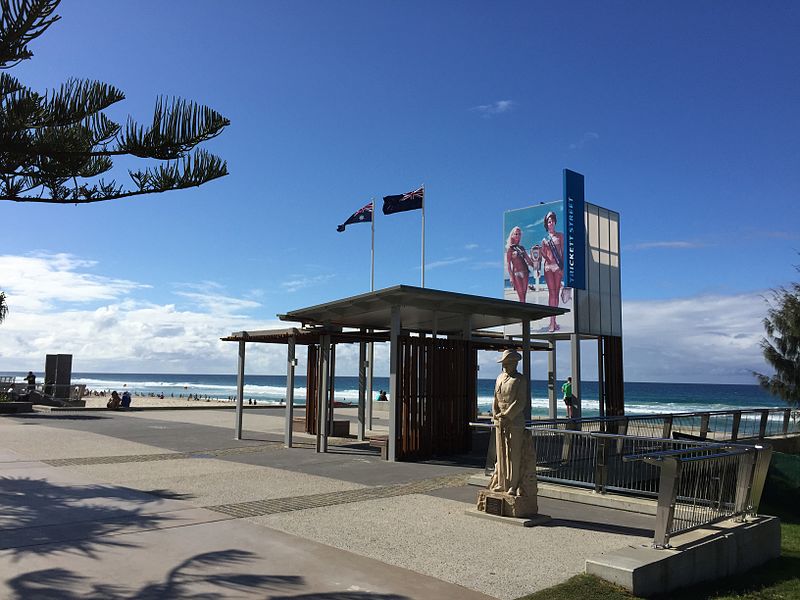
(129, 506)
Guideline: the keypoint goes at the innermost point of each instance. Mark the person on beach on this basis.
(382, 397)
(518, 262)
(569, 399)
(115, 401)
(31, 379)
(126, 399)
(553, 259)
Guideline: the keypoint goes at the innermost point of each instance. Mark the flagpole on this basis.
(371, 345)
(423, 235)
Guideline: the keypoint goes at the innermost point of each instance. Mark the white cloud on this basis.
(701, 339)
(445, 262)
(675, 244)
(48, 313)
(300, 282)
(218, 303)
(587, 137)
(471, 246)
(704, 339)
(37, 282)
(495, 108)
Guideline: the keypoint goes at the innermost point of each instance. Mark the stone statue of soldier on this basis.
(514, 478)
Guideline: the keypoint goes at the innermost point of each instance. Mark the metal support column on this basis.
(332, 389)
(526, 367)
(552, 397)
(601, 395)
(370, 371)
(322, 393)
(394, 354)
(362, 389)
(291, 362)
(575, 342)
(240, 392)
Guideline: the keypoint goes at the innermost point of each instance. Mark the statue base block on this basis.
(502, 504)
(523, 522)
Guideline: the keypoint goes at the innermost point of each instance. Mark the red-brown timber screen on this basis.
(436, 397)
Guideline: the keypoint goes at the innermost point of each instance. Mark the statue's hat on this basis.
(510, 355)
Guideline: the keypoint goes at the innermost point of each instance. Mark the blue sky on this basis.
(682, 117)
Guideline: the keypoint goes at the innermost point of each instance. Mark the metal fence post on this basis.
(760, 468)
(666, 432)
(704, 420)
(744, 482)
(787, 413)
(762, 427)
(622, 429)
(737, 419)
(601, 466)
(667, 494)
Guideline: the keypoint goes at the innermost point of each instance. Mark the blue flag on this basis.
(362, 215)
(403, 202)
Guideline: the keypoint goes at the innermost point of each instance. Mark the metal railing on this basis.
(701, 486)
(722, 425)
(695, 482)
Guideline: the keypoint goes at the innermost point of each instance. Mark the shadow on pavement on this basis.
(55, 416)
(39, 517)
(196, 578)
(604, 527)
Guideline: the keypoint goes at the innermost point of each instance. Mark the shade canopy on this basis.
(421, 309)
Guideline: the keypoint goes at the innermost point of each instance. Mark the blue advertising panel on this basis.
(575, 231)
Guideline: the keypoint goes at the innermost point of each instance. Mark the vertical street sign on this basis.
(574, 231)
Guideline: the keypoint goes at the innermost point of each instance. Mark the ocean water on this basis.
(640, 398)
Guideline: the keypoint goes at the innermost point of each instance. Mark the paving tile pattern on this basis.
(273, 506)
(110, 460)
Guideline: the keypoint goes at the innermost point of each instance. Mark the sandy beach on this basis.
(93, 401)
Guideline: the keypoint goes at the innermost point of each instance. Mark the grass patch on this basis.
(778, 579)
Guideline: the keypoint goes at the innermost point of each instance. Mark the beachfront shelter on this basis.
(433, 336)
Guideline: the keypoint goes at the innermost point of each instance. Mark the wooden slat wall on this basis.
(436, 397)
(311, 390)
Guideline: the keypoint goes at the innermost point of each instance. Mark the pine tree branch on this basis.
(191, 171)
(22, 21)
(178, 126)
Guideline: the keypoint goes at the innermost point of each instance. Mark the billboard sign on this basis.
(534, 259)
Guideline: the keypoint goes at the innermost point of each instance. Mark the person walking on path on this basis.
(569, 399)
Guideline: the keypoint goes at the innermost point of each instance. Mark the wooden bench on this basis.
(381, 443)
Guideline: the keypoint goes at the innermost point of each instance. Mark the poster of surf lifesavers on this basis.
(533, 260)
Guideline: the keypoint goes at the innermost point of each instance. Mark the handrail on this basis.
(695, 482)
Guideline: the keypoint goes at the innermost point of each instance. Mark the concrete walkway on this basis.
(167, 505)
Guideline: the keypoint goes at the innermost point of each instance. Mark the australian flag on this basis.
(402, 202)
(362, 215)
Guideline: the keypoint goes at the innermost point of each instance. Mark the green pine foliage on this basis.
(55, 146)
(3, 307)
(781, 345)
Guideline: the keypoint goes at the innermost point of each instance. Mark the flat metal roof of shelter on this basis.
(304, 336)
(421, 309)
